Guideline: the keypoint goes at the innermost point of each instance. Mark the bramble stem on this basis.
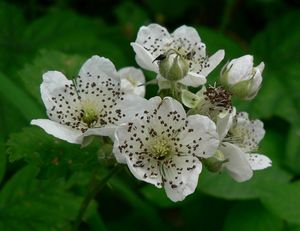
(95, 188)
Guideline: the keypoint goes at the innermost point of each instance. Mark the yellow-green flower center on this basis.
(161, 148)
(90, 114)
(89, 117)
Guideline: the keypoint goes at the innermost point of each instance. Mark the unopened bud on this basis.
(240, 77)
(173, 67)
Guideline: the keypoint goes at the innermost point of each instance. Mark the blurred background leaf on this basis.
(54, 157)
(251, 216)
(27, 204)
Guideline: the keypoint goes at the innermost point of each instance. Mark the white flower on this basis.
(238, 146)
(162, 146)
(241, 78)
(154, 41)
(132, 81)
(214, 102)
(91, 105)
(210, 101)
(238, 135)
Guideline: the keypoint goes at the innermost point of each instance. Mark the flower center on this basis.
(219, 97)
(161, 148)
(239, 136)
(216, 100)
(90, 115)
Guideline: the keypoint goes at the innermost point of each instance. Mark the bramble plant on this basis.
(164, 140)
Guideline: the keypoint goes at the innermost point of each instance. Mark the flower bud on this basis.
(173, 67)
(240, 77)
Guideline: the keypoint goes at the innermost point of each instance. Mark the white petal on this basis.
(187, 33)
(224, 122)
(188, 39)
(97, 65)
(108, 130)
(240, 69)
(213, 62)
(130, 105)
(261, 67)
(181, 178)
(193, 80)
(58, 130)
(119, 136)
(248, 132)
(132, 81)
(258, 161)
(55, 85)
(60, 98)
(144, 58)
(97, 79)
(255, 84)
(153, 39)
(171, 112)
(129, 146)
(200, 136)
(237, 166)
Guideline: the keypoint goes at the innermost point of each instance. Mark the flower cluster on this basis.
(166, 140)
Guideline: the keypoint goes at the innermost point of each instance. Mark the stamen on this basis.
(160, 148)
(219, 97)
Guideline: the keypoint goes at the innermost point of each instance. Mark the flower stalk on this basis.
(96, 187)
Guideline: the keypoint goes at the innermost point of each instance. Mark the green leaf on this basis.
(157, 196)
(278, 46)
(11, 120)
(68, 32)
(283, 200)
(2, 157)
(29, 204)
(201, 211)
(130, 17)
(221, 185)
(249, 216)
(63, 30)
(293, 227)
(55, 157)
(18, 98)
(12, 26)
(292, 159)
(216, 40)
(167, 9)
(95, 222)
(129, 195)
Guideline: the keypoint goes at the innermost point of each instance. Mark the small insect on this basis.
(160, 58)
(190, 55)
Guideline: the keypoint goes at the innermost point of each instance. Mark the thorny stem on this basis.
(96, 187)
